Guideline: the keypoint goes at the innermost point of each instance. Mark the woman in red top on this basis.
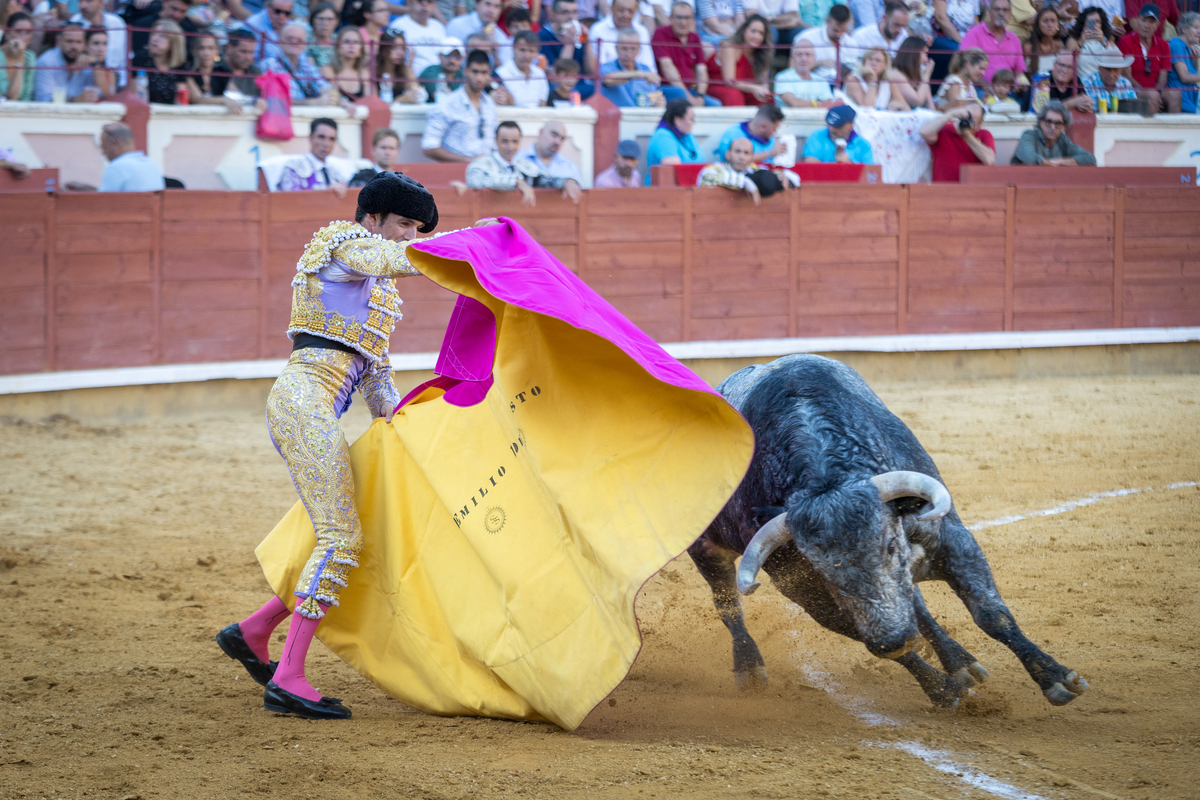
(743, 63)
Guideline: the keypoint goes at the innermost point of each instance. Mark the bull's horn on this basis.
(769, 537)
(892, 485)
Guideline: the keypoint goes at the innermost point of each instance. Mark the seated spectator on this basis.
(956, 138)
(318, 168)
(623, 172)
(163, 61)
(563, 37)
(966, 72)
(62, 72)
(1091, 36)
(1168, 12)
(205, 54)
(555, 169)
(951, 21)
(385, 148)
(1151, 64)
(603, 36)
(17, 59)
(734, 172)
(1185, 64)
(500, 170)
(269, 23)
(1045, 42)
(741, 67)
(393, 61)
(128, 168)
(869, 85)
(423, 32)
(307, 86)
(322, 23)
(1107, 86)
(680, 57)
(796, 87)
(837, 142)
(454, 127)
(95, 50)
(1004, 50)
(482, 20)
(999, 89)
(1048, 143)
(525, 81)
(672, 142)
(720, 19)
(888, 33)
(826, 38)
(911, 71)
(1061, 82)
(232, 80)
(348, 72)
(445, 76)
(93, 16)
(759, 131)
(8, 162)
(623, 80)
(563, 81)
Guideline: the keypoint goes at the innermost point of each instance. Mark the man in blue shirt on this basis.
(823, 146)
(64, 68)
(761, 133)
(625, 79)
(128, 169)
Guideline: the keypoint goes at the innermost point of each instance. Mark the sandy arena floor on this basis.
(125, 547)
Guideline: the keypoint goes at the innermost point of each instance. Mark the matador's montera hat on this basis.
(396, 193)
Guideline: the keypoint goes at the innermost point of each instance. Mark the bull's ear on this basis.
(764, 513)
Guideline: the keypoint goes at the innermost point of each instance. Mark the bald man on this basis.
(556, 169)
(128, 168)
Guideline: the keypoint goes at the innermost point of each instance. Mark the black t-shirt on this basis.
(162, 84)
(243, 83)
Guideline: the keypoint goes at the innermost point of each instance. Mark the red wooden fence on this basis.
(176, 277)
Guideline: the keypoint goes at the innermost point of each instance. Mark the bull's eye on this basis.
(892, 547)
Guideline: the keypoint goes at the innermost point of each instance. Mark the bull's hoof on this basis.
(950, 700)
(751, 679)
(972, 674)
(1067, 690)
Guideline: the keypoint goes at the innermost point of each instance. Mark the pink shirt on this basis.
(609, 179)
(1004, 54)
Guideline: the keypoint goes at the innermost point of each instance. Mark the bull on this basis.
(847, 513)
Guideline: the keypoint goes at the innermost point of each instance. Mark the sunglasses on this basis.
(1054, 123)
(281, 12)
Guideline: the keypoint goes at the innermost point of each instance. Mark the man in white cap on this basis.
(422, 33)
(449, 68)
(1107, 86)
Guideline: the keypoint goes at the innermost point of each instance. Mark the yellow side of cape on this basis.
(505, 543)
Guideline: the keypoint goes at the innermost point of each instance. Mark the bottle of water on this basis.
(385, 88)
(442, 89)
(143, 86)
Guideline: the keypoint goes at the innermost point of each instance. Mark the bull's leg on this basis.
(954, 657)
(718, 566)
(966, 570)
(944, 691)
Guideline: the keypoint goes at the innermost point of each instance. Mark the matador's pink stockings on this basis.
(258, 627)
(289, 675)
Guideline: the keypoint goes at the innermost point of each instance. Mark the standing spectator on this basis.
(92, 15)
(1045, 42)
(838, 142)
(782, 15)
(624, 79)
(1168, 11)
(500, 170)
(1151, 64)
(889, 33)
(760, 131)
(348, 72)
(564, 80)
(796, 87)
(602, 38)
(826, 39)
(128, 169)
(869, 85)
(966, 75)
(63, 70)
(1091, 36)
(454, 127)
(911, 72)
(525, 81)
(445, 76)
(557, 170)
(318, 168)
(680, 57)
(1003, 48)
(269, 24)
(672, 142)
(956, 138)
(323, 21)
(95, 50)
(742, 66)
(422, 32)
(563, 37)
(393, 61)
(1107, 84)
(719, 19)
(385, 149)
(623, 172)
(483, 20)
(16, 59)
(308, 87)
(1185, 69)
(1048, 143)
(734, 173)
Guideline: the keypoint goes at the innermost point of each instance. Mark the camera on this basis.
(965, 123)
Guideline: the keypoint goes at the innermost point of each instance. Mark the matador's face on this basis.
(393, 227)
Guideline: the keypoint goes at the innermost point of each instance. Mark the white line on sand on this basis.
(1074, 504)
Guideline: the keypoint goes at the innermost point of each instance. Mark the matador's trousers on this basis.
(302, 417)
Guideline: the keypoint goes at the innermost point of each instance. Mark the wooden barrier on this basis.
(112, 280)
(38, 180)
(1042, 177)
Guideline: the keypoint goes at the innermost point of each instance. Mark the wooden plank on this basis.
(856, 276)
(261, 271)
(105, 330)
(757, 327)
(189, 236)
(156, 281)
(22, 300)
(49, 279)
(627, 230)
(103, 208)
(24, 208)
(204, 265)
(103, 267)
(825, 196)
(720, 201)
(212, 325)
(1183, 200)
(1073, 298)
(25, 330)
(22, 360)
(1058, 201)
(210, 295)
(846, 324)
(212, 206)
(957, 273)
(754, 256)
(738, 226)
(642, 310)
(113, 237)
(1078, 225)
(773, 277)
(102, 298)
(1142, 295)
(104, 356)
(950, 198)
(320, 207)
(986, 249)
(708, 305)
(1160, 269)
(287, 235)
(187, 351)
(553, 230)
(925, 222)
(1162, 248)
(689, 257)
(853, 250)
(550, 204)
(818, 300)
(613, 256)
(1054, 274)
(793, 260)
(1051, 251)
(583, 249)
(1162, 318)
(1160, 223)
(631, 283)
(643, 202)
(970, 322)
(957, 299)
(1118, 275)
(1025, 321)
(872, 222)
(567, 255)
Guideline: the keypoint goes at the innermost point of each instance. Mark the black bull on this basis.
(859, 516)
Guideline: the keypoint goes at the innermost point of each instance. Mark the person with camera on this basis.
(956, 138)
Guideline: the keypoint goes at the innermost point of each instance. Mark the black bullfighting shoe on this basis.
(233, 645)
(281, 701)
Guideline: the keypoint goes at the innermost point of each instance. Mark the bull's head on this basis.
(860, 549)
